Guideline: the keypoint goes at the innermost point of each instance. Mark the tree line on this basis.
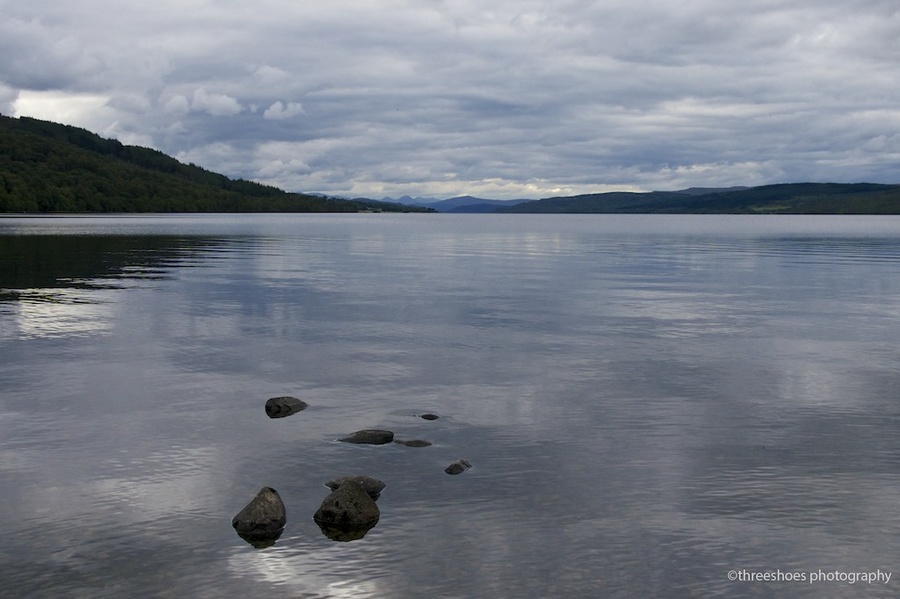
(49, 167)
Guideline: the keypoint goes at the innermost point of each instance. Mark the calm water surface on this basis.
(648, 402)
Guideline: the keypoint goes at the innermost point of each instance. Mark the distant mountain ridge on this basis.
(780, 198)
(458, 204)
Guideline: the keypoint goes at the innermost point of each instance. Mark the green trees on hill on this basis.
(48, 167)
(785, 198)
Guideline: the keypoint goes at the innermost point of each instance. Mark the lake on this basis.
(653, 406)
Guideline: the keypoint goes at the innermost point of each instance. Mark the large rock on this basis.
(370, 436)
(279, 407)
(372, 486)
(263, 519)
(349, 508)
(457, 467)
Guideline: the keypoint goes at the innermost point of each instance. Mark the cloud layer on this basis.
(512, 99)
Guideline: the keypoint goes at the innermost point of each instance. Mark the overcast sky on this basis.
(499, 98)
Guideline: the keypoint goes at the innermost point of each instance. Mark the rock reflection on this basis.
(261, 542)
(345, 534)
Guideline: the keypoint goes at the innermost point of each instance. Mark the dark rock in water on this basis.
(414, 443)
(457, 467)
(372, 486)
(428, 416)
(370, 436)
(279, 407)
(349, 509)
(262, 520)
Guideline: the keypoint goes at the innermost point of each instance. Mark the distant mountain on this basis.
(48, 167)
(486, 206)
(473, 205)
(409, 201)
(787, 198)
(457, 204)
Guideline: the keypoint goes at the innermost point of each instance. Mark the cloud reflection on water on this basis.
(57, 313)
(641, 415)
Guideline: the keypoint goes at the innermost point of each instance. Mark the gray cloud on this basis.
(518, 99)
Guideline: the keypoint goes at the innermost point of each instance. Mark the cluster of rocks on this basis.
(373, 436)
(348, 512)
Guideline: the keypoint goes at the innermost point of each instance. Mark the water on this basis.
(648, 402)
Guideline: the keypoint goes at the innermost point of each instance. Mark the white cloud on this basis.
(278, 111)
(215, 104)
(177, 105)
(84, 110)
(269, 75)
(8, 97)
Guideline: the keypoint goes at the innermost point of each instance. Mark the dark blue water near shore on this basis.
(648, 403)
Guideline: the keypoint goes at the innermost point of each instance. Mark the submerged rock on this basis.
(370, 436)
(279, 407)
(349, 509)
(428, 416)
(457, 467)
(262, 520)
(372, 486)
(414, 443)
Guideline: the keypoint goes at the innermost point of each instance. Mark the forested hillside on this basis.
(48, 167)
(788, 198)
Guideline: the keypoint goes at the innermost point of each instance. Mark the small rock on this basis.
(429, 416)
(457, 467)
(262, 520)
(279, 407)
(348, 507)
(414, 443)
(372, 486)
(370, 436)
